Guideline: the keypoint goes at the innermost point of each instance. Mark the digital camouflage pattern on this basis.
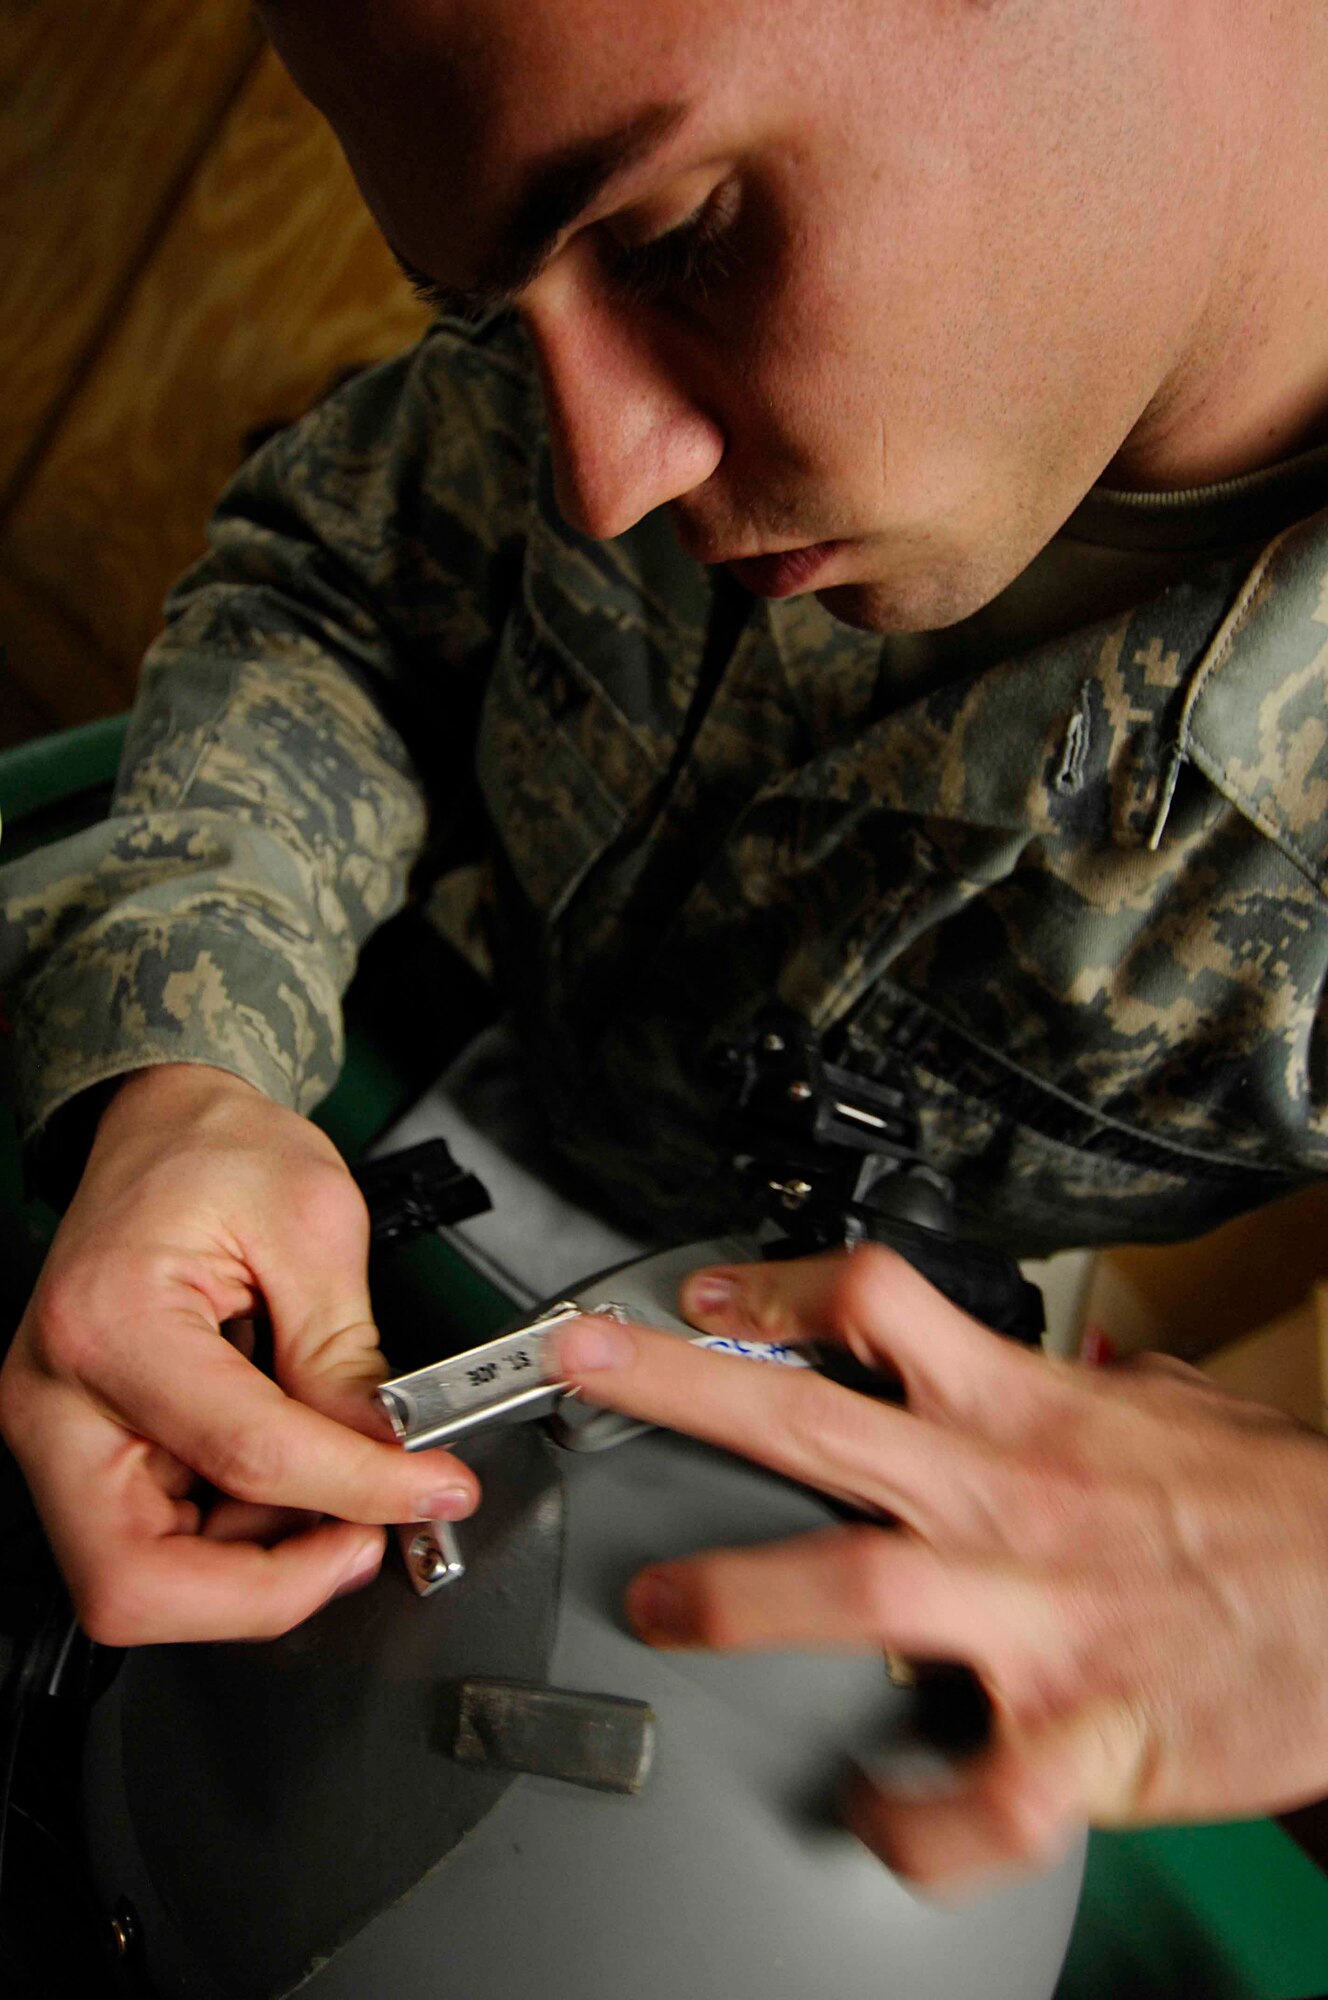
(1078, 895)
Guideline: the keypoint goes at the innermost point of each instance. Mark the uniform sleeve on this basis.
(327, 650)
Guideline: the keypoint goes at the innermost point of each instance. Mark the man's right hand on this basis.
(182, 1489)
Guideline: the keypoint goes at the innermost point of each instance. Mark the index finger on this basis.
(192, 1392)
(873, 1302)
(878, 1458)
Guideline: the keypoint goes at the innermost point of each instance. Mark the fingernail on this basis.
(706, 1293)
(592, 1344)
(453, 1503)
(656, 1609)
(363, 1566)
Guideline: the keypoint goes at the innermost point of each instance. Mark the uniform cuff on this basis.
(136, 997)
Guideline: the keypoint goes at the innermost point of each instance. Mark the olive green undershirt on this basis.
(1116, 550)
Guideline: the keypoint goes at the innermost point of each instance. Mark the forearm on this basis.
(268, 811)
(266, 819)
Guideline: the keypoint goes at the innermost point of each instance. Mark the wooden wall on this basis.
(184, 260)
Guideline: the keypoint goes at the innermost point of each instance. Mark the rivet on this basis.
(125, 1931)
(427, 1557)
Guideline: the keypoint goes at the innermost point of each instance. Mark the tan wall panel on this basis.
(104, 104)
(21, 718)
(270, 280)
(1194, 1297)
(51, 659)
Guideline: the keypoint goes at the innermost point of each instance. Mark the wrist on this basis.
(150, 1102)
(162, 1085)
(138, 1117)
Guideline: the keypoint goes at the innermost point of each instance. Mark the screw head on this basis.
(791, 1193)
(773, 1044)
(427, 1558)
(800, 1091)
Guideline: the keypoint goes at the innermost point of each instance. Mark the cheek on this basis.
(802, 386)
(885, 386)
(848, 369)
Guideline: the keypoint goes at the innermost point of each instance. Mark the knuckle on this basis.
(81, 1300)
(1162, 1366)
(64, 1333)
(114, 1614)
(864, 1280)
(813, 1415)
(1023, 1821)
(14, 1403)
(759, 1302)
(246, 1461)
(326, 1207)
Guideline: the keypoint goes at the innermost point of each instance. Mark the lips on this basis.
(784, 574)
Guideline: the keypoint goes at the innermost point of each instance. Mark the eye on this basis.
(683, 263)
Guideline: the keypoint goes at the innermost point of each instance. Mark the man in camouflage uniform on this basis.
(1028, 800)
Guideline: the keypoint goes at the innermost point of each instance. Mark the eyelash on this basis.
(690, 258)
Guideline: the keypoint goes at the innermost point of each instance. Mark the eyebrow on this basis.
(558, 190)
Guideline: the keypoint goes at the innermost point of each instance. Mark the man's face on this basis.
(877, 289)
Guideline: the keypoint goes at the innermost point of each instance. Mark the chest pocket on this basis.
(560, 768)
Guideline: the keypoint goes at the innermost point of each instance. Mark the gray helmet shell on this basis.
(726, 1877)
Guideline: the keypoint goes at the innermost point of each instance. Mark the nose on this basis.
(626, 435)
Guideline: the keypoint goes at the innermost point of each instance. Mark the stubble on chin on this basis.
(912, 606)
(914, 594)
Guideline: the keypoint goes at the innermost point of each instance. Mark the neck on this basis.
(1249, 384)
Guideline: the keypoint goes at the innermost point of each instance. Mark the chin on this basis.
(916, 599)
(882, 607)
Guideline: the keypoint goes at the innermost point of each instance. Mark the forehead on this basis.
(442, 105)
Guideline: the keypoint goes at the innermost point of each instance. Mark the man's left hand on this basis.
(1134, 1562)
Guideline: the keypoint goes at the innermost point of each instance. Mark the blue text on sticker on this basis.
(754, 1350)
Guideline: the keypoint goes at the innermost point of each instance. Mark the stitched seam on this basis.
(1226, 633)
(1098, 1117)
(1263, 819)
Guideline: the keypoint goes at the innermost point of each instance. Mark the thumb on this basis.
(1013, 1808)
(339, 1374)
(315, 1279)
